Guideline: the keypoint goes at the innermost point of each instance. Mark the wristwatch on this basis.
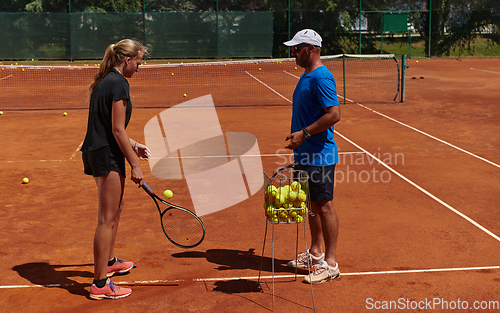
(306, 133)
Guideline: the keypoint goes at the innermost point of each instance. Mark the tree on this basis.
(456, 23)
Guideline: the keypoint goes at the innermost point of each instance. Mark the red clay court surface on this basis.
(419, 235)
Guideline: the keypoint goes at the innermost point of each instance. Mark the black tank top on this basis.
(111, 88)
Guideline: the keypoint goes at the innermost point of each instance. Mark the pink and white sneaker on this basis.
(120, 267)
(109, 291)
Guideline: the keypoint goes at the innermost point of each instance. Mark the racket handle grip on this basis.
(147, 189)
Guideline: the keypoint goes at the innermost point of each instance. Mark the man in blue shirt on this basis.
(315, 111)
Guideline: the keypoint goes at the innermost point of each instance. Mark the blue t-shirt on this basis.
(315, 92)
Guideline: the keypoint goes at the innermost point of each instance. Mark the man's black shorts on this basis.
(102, 161)
(321, 181)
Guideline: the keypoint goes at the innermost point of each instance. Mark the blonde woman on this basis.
(104, 150)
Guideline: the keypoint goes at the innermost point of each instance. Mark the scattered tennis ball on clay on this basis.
(168, 194)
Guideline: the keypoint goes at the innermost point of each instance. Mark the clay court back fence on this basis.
(71, 36)
(249, 34)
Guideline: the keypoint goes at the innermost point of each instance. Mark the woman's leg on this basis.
(110, 194)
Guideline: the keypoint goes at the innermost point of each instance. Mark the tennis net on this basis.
(268, 82)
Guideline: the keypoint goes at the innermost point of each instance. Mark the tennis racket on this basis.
(181, 226)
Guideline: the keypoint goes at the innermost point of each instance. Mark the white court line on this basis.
(361, 273)
(173, 281)
(430, 136)
(5, 77)
(292, 74)
(423, 190)
(268, 87)
(77, 149)
(475, 69)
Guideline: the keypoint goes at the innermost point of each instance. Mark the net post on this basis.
(430, 28)
(144, 21)
(289, 18)
(359, 24)
(403, 68)
(343, 76)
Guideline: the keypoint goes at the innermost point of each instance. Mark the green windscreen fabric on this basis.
(34, 36)
(395, 23)
(170, 34)
(243, 34)
(91, 33)
(182, 34)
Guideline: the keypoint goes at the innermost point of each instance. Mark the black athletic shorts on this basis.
(321, 181)
(102, 161)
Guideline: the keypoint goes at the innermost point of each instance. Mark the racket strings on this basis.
(182, 227)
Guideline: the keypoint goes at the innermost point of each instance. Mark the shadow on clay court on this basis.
(237, 286)
(237, 260)
(51, 276)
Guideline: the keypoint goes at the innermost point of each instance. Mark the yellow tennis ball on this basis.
(65, 114)
(302, 196)
(1, 112)
(185, 95)
(416, 61)
(283, 192)
(295, 186)
(168, 194)
(274, 190)
(172, 74)
(299, 219)
(26, 180)
(280, 199)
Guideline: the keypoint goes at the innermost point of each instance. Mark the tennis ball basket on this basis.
(286, 201)
(286, 196)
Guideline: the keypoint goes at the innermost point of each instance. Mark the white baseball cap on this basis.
(307, 36)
